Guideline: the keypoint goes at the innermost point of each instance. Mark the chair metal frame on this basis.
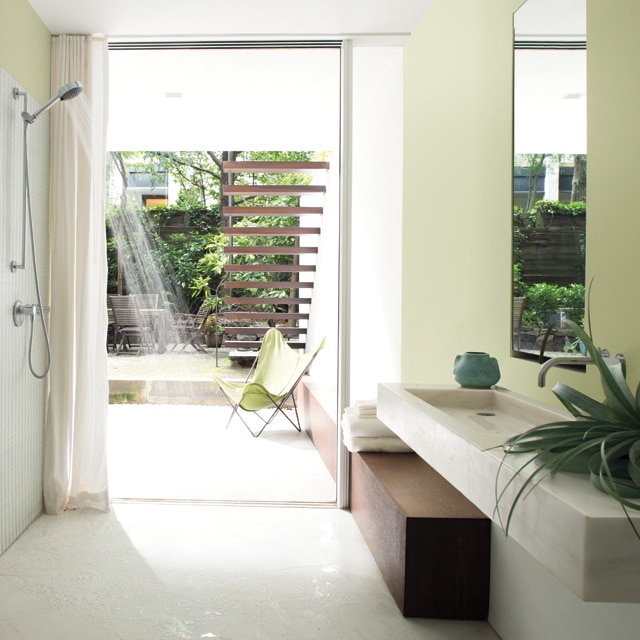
(277, 401)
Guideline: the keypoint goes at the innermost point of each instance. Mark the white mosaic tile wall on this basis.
(22, 396)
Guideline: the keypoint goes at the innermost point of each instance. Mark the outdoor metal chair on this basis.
(129, 327)
(188, 328)
(519, 305)
(278, 370)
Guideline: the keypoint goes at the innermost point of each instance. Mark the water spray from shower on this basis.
(67, 92)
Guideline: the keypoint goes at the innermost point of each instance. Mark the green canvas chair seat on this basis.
(278, 370)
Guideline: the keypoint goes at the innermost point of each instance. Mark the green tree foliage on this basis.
(202, 219)
(199, 173)
(196, 256)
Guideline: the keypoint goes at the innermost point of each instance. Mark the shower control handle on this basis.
(20, 311)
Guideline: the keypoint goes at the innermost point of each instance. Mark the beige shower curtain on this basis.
(75, 469)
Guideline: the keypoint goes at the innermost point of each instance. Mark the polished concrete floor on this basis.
(187, 572)
(183, 571)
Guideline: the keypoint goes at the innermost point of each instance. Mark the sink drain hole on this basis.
(485, 413)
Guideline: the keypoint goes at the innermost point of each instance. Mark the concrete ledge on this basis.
(200, 392)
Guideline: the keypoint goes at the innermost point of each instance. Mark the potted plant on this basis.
(602, 440)
(213, 333)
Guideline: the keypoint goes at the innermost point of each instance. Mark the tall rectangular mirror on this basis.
(549, 175)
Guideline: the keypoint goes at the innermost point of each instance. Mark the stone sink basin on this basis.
(486, 417)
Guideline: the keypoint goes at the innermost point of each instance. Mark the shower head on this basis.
(66, 92)
(70, 90)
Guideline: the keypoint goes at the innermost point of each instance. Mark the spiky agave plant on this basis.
(602, 439)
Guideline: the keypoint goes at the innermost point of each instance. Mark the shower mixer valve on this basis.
(20, 311)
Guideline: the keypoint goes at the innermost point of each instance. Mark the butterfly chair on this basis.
(278, 370)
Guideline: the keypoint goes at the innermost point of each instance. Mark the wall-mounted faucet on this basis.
(575, 361)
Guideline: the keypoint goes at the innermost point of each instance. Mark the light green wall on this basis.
(25, 46)
(457, 202)
(457, 162)
(613, 231)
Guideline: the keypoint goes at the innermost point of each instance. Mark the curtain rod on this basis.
(222, 44)
(576, 45)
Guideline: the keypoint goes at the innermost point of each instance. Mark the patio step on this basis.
(269, 268)
(272, 189)
(241, 211)
(261, 284)
(248, 347)
(264, 316)
(265, 301)
(260, 331)
(243, 349)
(268, 251)
(270, 231)
(274, 166)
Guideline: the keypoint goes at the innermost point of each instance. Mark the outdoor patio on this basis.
(167, 438)
(172, 365)
(173, 377)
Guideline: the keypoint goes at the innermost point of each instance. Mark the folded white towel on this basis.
(359, 427)
(386, 444)
(366, 408)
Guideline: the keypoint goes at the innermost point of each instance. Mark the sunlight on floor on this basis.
(184, 452)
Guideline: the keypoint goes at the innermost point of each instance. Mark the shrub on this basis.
(201, 219)
(544, 301)
(556, 208)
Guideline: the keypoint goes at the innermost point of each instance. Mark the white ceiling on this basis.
(224, 18)
(537, 19)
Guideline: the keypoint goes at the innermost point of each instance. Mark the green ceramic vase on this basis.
(476, 370)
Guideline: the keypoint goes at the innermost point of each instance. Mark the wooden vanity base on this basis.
(431, 544)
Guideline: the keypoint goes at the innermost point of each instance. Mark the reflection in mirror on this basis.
(549, 175)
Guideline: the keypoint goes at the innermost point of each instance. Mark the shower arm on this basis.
(14, 265)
